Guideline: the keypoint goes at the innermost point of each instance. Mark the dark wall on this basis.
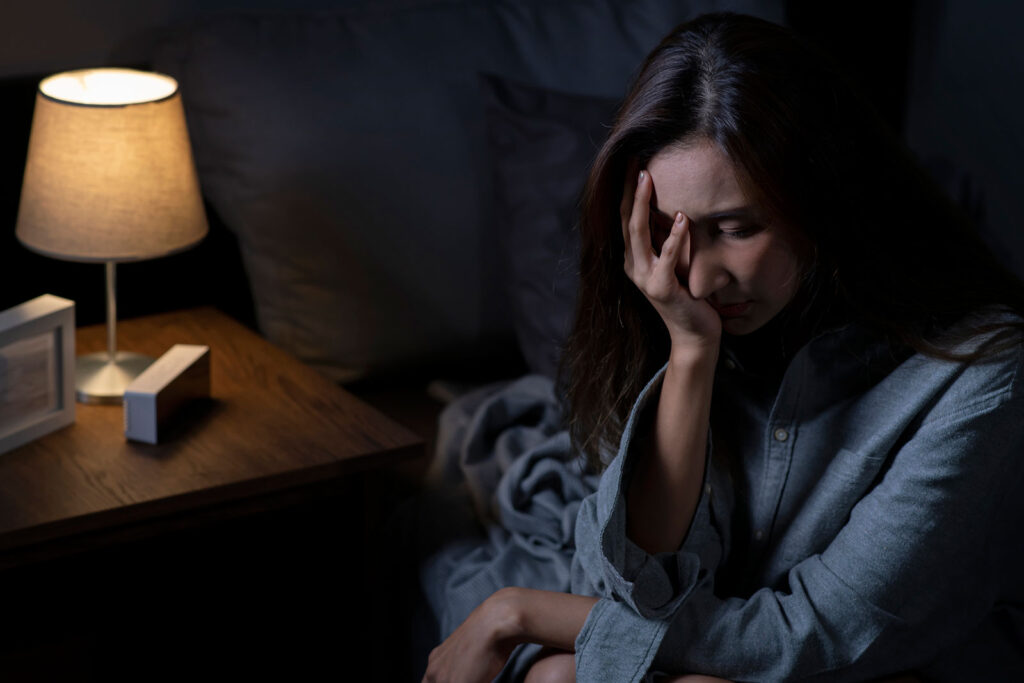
(964, 112)
(45, 36)
(946, 74)
(871, 41)
(942, 73)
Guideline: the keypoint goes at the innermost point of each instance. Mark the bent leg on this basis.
(552, 666)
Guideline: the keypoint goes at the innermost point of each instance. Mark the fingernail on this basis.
(641, 176)
(679, 217)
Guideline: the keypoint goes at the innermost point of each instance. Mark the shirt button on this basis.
(758, 534)
(707, 489)
(730, 364)
(781, 435)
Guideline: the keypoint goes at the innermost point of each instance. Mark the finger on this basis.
(685, 247)
(625, 211)
(626, 206)
(681, 256)
(666, 266)
(639, 234)
(670, 248)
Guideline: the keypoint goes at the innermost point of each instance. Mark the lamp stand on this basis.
(102, 377)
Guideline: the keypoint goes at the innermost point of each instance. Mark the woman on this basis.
(801, 368)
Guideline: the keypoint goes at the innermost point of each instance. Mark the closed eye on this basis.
(740, 232)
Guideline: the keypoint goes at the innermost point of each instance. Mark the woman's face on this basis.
(746, 265)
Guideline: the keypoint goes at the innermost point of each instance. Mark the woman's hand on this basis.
(478, 649)
(692, 323)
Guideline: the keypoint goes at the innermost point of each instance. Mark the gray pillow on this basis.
(542, 143)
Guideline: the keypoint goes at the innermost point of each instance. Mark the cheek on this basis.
(776, 270)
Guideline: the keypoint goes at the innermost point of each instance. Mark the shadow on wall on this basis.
(963, 113)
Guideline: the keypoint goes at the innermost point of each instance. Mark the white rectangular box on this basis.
(150, 401)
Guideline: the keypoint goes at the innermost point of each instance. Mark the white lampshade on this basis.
(109, 175)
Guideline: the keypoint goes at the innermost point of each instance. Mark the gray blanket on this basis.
(505, 449)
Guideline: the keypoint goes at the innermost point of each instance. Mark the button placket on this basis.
(780, 445)
(779, 439)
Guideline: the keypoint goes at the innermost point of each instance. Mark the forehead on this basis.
(697, 179)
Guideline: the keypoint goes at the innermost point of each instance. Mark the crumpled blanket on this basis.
(506, 448)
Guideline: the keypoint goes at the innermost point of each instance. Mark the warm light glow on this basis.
(108, 86)
(109, 175)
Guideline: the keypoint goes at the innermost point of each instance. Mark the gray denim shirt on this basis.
(872, 523)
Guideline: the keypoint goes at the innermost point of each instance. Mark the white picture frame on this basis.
(37, 369)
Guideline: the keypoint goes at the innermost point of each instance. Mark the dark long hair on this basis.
(890, 250)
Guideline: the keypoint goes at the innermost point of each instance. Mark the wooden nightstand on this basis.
(275, 430)
(228, 543)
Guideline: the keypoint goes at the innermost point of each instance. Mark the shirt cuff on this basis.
(616, 644)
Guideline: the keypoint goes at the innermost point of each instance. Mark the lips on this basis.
(731, 310)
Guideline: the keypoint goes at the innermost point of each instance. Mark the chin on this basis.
(744, 324)
(741, 326)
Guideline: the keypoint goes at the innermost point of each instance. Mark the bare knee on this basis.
(557, 667)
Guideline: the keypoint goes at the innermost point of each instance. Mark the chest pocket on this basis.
(823, 508)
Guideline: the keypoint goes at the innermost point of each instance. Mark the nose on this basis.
(702, 270)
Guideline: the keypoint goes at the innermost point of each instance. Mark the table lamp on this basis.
(109, 178)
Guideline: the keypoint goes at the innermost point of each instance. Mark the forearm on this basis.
(665, 485)
(549, 618)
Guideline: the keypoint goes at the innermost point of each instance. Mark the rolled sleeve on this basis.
(652, 585)
(617, 644)
(639, 591)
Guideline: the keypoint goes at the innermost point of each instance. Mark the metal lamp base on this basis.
(98, 380)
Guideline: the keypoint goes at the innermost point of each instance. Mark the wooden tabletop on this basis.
(274, 427)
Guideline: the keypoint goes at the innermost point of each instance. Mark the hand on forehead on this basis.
(698, 180)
